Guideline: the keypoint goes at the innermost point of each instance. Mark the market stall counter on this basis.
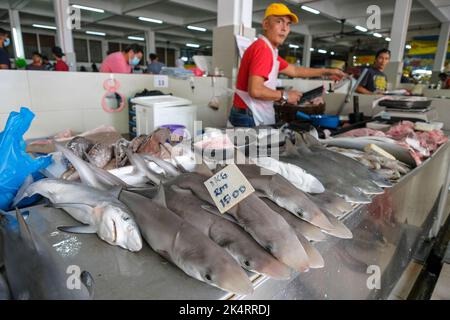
(386, 235)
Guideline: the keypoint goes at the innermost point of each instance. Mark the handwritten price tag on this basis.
(161, 81)
(228, 187)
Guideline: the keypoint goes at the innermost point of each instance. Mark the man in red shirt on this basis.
(60, 65)
(258, 73)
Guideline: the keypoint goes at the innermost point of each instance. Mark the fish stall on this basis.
(332, 220)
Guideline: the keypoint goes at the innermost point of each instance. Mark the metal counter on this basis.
(387, 233)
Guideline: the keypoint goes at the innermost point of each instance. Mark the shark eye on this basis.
(269, 247)
(247, 263)
(208, 277)
(300, 213)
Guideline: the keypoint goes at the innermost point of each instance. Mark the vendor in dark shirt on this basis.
(37, 63)
(5, 63)
(375, 81)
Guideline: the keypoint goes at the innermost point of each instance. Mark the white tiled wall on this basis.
(66, 100)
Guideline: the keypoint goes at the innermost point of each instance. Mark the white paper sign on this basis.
(161, 81)
(228, 187)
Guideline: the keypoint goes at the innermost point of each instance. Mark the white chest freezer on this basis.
(155, 111)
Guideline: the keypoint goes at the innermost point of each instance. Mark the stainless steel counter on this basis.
(386, 234)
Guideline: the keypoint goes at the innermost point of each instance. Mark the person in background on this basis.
(60, 65)
(154, 67)
(179, 63)
(375, 81)
(123, 62)
(5, 63)
(37, 62)
(83, 69)
(46, 63)
(258, 73)
(94, 67)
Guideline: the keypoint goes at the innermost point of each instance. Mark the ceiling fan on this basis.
(341, 33)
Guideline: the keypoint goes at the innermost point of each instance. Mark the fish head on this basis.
(209, 263)
(263, 262)
(220, 271)
(117, 227)
(309, 212)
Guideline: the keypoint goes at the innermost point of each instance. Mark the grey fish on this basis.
(354, 167)
(330, 202)
(100, 178)
(267, 227)
(186, 247)
(33, 270)
(5, 293)
(168, 168)
(228, 235)
(79, 146)
(326, 174)
(315, 258)
(340, 230)
(283, 193)
(348, 171)
(399, 152)
(307, 230)
(137, 142)
(100, 211)
(119, 152)
(99, 155)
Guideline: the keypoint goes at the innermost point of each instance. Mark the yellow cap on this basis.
(279, 9)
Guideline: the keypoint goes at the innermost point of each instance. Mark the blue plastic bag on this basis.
(15, 163)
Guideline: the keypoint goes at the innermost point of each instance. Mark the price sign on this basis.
(228, 187)
(161, 81)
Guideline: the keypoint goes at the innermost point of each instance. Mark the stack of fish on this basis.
(271, 232)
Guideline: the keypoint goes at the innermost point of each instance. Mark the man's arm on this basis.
(302, 72)
(257, 90)
(361, 89)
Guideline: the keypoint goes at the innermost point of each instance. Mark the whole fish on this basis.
(354, 167)
(100, 155)
(227, 234)
(330, 202)
(270, 230)
(326, 173)
(357, 179)
(100, 211)
(295, 175)
(186, 247)
(399, 152)
(284, 194)
(119, 152)
(100, 178)
(169, 168)
(79, 146)
(33, 270)
(307, 230)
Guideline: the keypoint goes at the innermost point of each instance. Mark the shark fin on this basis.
(84, 229)
(24, 230)
(160, 197)
(88, 281)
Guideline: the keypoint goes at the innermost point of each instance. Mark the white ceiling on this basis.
(120, 19)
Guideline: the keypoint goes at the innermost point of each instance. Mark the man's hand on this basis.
(294, 96)
(335, 74)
